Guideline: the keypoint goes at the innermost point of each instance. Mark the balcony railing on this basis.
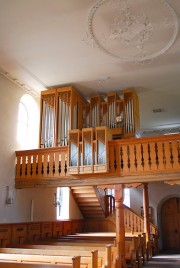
(145, 155)
(129, 157)
(42, 163)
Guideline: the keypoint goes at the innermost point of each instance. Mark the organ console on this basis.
(67, 119)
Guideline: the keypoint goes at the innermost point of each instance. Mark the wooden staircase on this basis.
(91, 201)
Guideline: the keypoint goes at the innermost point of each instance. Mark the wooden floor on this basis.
(164, 261)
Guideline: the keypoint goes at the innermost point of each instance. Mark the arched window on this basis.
(28, 123)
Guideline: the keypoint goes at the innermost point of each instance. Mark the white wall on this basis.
(20, 210)
(159, 192)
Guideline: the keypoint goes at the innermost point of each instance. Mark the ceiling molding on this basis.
(129, 33)
(20, 84)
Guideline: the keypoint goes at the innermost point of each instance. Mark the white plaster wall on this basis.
(158, 193)
(20, 210)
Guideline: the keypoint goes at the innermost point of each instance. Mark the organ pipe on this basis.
(48, 123)
(94, 113)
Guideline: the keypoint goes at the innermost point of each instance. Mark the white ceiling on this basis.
(45, 43)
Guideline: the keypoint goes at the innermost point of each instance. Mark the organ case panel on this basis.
(75, 151)
(103, 134)
(87, 151)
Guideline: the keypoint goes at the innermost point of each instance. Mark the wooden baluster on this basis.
(45, 164)
(34, 165)
(59, 166)
(178, 149)
(135, 158)
(42, 165)
(164, 156)
(128, 158)
(142, 156)
(132, 219)
(130, 225)
(62, 163)
(56, 154)
(121, 158)
(28, 166)
(149, 156)
(65, 164)
(53, 167)
(48, 166)
(37, 157)
(171, 154)
(31, 169)
(156, 155)
(115, 162)
(39, 165)
(26, 161)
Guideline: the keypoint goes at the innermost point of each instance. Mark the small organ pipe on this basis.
(59, 121)
(133, 126)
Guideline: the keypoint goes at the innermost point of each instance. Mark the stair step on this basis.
(93, 213)
(95, 217)
(88, 199)
(78, 195)
(88, 204)
(91, 208)
(82, 189)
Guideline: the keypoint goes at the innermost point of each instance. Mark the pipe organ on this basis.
(47, 134)
(64, 109)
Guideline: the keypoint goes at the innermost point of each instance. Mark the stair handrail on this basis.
(101, 198)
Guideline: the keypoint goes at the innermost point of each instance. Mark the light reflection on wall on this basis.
(28, 123)
(63, 211)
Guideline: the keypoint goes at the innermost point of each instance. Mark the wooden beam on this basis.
(146, 218)
(120, 227)
(100, 179)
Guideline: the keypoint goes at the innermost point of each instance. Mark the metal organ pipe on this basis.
(43, 124)
(48, 123)
(63, 123)
(129, 114)
(133, 126)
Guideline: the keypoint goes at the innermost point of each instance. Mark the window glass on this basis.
(63, 195)
(28, 123)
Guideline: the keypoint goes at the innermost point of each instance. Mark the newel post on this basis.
(146, 218)
(120, 227)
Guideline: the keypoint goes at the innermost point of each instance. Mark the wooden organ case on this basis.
(86, 126)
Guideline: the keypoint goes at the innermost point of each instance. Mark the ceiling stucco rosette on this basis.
(133, 30)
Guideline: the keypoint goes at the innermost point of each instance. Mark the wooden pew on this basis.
(88, 259)
(42, 259)
(81, 245)
(105, 253)
(134, 245)
(37, 265)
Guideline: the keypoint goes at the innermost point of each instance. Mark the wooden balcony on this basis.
(130, 160)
